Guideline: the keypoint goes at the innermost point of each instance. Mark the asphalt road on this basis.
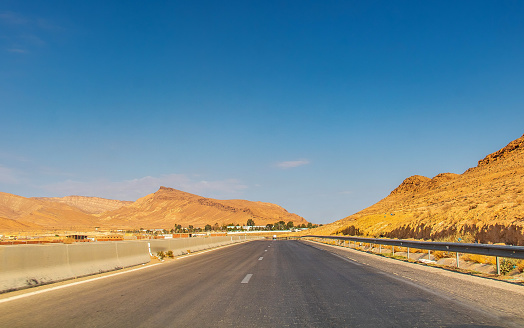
(255, 284)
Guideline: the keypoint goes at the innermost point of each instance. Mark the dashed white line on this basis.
(246, 278)
(260, 258)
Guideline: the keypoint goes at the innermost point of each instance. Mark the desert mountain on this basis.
(168, 206)
(485, 204)
(91, 205)
(162, 209)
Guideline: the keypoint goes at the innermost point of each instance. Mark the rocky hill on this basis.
(162, 209)
(485, 204)
(168, 206)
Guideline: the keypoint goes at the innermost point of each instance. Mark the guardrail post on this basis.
(429, 254)
(408, 253)
(457, 256)
(380, 248)
(393, 250)
(497, 260)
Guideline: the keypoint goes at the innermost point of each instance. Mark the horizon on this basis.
(320, 108)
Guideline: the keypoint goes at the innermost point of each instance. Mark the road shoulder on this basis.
(498, 297)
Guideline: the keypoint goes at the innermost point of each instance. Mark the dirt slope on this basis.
(168, 206)
(485, 204)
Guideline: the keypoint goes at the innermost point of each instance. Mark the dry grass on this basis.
(482, 259)
(68, 241)
(520, 266)
(441, 254)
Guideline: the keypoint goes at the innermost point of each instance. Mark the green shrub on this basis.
(170, 254)
(507, 265)
(160, 255)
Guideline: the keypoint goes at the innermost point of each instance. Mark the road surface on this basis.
(255, 284)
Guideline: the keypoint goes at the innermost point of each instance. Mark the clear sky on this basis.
(322, 107)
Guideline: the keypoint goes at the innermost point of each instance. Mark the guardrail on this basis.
(483, 249)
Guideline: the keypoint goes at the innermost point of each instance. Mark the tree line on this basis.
(280, 225)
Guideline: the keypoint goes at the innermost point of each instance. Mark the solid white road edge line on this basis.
(72, 284)
(347, 259)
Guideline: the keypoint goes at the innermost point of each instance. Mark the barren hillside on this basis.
(485, 204)
(168, 206)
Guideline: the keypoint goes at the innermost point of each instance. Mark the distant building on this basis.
(110, 238)
(78, 237)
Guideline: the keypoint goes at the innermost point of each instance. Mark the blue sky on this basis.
(322, 107)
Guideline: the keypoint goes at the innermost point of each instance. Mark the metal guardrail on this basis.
(482, 249)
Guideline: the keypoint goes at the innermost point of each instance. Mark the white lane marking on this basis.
(12, 298)
(350, 260)
(265, 250)
(260, 258)
(246, 278)
(347, 259)
(72, 284)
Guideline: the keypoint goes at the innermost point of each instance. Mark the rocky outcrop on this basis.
(418, 183)
(512, 148)
(412, 184)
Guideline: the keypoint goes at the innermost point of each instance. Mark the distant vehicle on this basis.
(274, 237)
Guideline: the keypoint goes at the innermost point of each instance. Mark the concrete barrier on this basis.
(23, 266)
(181, 246)
(31, 265)
(130, 253)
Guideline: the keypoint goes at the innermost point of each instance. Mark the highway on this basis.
(267, 284)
